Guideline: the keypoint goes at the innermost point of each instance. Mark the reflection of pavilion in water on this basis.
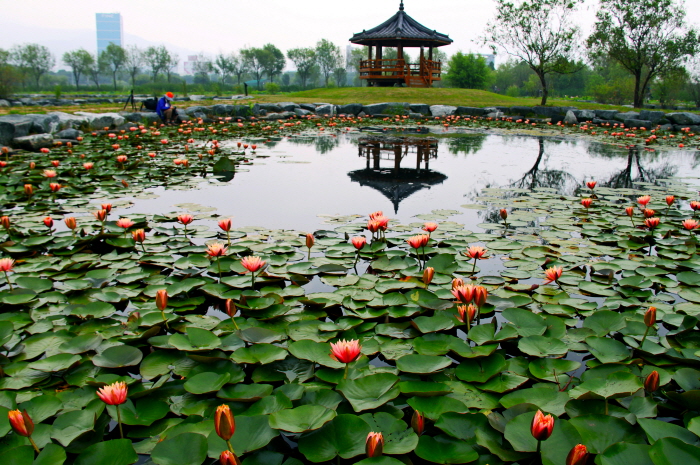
(397, 183)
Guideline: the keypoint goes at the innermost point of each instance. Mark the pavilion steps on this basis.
(415, 81)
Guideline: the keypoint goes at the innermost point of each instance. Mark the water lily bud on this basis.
(21, 423)
(651, 382)
(309, 240)
(428, 274)
(28, 189)
(162, 299)
(418, 422)
(586, 202)
(542, 426)
(457, 282)
(374, 446)
(70, 222)
(5, 221)
(503, 213)
(650, 317)
(577, 456)
(224, 423)
(229, 458)
(231, 309)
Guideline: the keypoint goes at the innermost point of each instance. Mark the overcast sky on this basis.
(213, 26)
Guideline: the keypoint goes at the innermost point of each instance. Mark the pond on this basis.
(542, 315)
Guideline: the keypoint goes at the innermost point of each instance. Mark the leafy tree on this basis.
(8, 75)
(538, 32)
(693, 85)
(79, 61)
(254, 58)
(328, 57)
(134, 62)
(239, 66)
(468, 71)
(171, 65)
(33, 59)
(647, 37)
(272, 61)
(340, 74)
(94, 70)
(201, 68)
(113, 59)
(304, 60)
(223, 66)
(157, 59)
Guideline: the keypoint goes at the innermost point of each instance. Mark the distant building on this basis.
(490, 59)
(109, 30)
(190, 64)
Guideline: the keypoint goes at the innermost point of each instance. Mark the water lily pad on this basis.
(301, 419)
(371, 391)
(422, 363)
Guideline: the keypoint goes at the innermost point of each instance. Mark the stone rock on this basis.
(269, 107)
(495, 114)
(517, 110)
(638, 123)
(148, 118)
(194, 109)
(102, 120)
(70, 133)
(570, 118)
(442, 110)
(654, 116)
(197, 98)
(4, 103)
(375, 108)
(131, 117)
(470, 111)
(350, 109)
(621, 117)
(683, 118)
(222, 110)
(7, 132)
(416, 115)
(606, 114)
(421, 108)
(302, 112)
(666, 127)
(34, 142)
(307, 106)
(362, 114)
(547, 112)
(325, 110)
(584, 115)
(599, 121)
(287, 106)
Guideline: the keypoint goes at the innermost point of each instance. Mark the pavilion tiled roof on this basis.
(404, 29)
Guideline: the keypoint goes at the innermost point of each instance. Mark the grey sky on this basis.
(213, 26)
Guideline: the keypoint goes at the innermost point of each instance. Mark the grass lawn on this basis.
(364, 95)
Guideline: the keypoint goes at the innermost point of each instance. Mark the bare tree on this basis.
(171, 65)
(223, 66)
(134, 62)
(239, 66)
(538, 32)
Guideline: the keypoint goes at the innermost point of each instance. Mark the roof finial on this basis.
(401, 6)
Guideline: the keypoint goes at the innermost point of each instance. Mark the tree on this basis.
(79, 61)
(538, 32)
(254, 58)
(694, 79)
(328, 57)
(134, 62)
(272, 61)
(468, 71)
(157, 58)
(94, 70)
(303, 59)
(8, 75)
(647, 37)
(113, 58)
(239, 66)
(171, 65)
(33, 59)
(223, 66)
(201, 68)
(340, 74)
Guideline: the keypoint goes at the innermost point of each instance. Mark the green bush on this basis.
(272, 88)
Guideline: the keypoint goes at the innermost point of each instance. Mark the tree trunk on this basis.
(637, 91)
(77, 78)
(114, 80)
(545, 90)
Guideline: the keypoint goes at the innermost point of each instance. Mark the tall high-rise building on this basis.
(109, 30)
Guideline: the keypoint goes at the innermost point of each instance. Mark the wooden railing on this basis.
(397, 69)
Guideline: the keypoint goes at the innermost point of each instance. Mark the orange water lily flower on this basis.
(374, 446)
(358, 242)
(346, 351)
(113, 394)
(216, 249)
(224, 424)
(21, 422)
(125, 223)
(578, 455)
(553, 274)
(542, 426)
(252, 263)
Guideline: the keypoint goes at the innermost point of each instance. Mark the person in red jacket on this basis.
(165, 109)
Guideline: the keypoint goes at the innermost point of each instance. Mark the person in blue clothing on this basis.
(165, 109)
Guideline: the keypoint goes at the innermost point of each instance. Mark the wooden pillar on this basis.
(430, 54)
(369, 56)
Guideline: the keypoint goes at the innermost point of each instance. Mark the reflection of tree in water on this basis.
(323, 144)
(466, 144)
(628, 176)
(537, 177)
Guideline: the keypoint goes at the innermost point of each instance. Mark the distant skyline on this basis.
(215, 26)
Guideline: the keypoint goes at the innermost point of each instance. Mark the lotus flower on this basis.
(21, 422)
(358, 242)
(690, 224)
(578, 455)
(670, 199)
(503, 213)
(48, 222)
(88, 165)
(430, 227)
(229, 458)
(553, 274)
(591, 185)
(418, 241)
(375, 215)
(125, 223)
(28, 189)
(100, 215)
(345, 351)
(216, 249)
(252, 263)
(476, 252)
(467, 313)
(586, 203)
(464, 294)
(50, 173)
(224, 424)
(113, 394)
(457, 282)
(652, 223)
(55, 187)
(374, 446)
(542, 426)
(162, 299)
(107, 207)
(651, 382)
(225, 225)
(480, 296)
(629, 211)
(695, 205)
(5, 221)
(70, 223)
(650, 317)
(428, 274)
(648, 213)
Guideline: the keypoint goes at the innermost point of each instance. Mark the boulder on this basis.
(416, 115)
(606, 114)
(470, 111)
(325, 110)
(70, 133)
(654, 116)
(517, 111)
(638, 123)
(302, 112)
(442, 110)
(621, 117)
(350, 109)
(102, 120)
(307, 106)
(4, 103)
(547, 112)
(269, 107)
(131, 117)
(570, 118)
(288, 106)
(7, 132)
(684, 118)
(421, 108)
(197, 98)
(190, 111)
(495, 114)
(362, 114)
(34, 142)
(584, 115)
(375, 108)
(222, 110)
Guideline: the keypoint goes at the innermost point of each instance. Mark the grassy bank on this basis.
(364, 95)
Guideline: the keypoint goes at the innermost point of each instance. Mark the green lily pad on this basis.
(301, 419)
